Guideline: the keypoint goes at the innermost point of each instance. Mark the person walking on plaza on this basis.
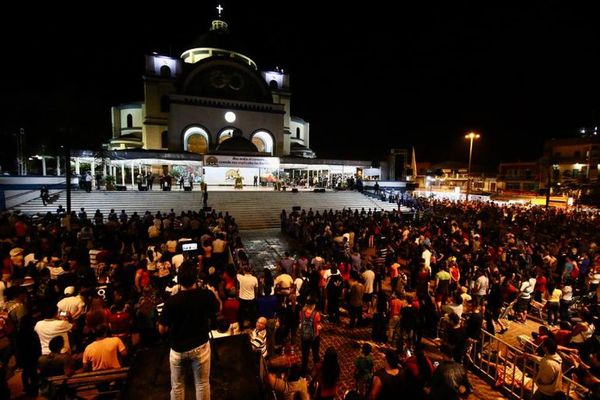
(204, 188)
(44, 194)
(150, 180)
(88, 181)
(186, 317)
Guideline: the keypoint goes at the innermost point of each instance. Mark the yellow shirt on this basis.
(555, 296)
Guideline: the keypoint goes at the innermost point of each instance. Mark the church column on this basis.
(44, 165)
(132, 175)
(94, 167)
(57, 165)
(123, 173)
(77, 165)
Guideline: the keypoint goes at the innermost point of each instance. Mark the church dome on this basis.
(218, 39)
(217, 42)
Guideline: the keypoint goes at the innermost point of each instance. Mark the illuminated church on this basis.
(212, 100)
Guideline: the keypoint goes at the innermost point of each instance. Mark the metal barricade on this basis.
(510, 369)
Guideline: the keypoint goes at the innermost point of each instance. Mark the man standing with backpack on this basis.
(310, 327)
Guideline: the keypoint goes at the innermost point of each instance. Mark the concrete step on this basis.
(251, 209)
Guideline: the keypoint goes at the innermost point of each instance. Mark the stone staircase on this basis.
(256, 209)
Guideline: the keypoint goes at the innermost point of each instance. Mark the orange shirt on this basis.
(103, 353)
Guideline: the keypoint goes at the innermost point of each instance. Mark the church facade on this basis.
(211, 94)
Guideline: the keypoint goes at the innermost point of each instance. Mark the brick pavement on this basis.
(348, 342)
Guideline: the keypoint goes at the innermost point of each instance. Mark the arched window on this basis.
(165, 71)
(164, 103)
(196, 140)
(273, 84)
(164, 140)
(129, 121)
(225, 134)
(263, 141)
(298, 133)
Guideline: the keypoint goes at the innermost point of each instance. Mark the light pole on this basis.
(471, 136)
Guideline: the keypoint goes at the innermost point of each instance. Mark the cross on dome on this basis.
(219, 9)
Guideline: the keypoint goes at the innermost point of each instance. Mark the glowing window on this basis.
(195, 140)
(263, 142)
(224, 135)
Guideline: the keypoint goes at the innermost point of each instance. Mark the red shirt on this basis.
(231, 307)
(540, 284)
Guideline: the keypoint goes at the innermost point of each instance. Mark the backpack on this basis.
(307, 328)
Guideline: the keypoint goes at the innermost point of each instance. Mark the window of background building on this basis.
(129, 121)
(164, 139)
(165, 71)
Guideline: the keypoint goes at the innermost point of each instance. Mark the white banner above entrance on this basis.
(241, 161)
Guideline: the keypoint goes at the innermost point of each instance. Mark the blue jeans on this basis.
(199, 359)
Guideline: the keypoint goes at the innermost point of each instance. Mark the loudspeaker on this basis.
(209, 209)
(296, 208)
(295, 190)
(121, 188)
(319, 190)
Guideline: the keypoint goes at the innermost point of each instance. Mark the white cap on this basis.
(69, 290)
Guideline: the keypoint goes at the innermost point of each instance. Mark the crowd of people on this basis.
(88, 293)
(455, 268)
(80, 294)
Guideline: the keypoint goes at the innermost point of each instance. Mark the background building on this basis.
(197, 102)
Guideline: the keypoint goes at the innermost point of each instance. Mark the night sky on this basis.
(367, 78)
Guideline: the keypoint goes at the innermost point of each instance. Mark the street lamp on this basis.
(471, 136)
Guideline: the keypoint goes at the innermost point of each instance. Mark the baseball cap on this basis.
(16, 251)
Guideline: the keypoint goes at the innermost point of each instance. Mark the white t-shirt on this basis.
(426, 255)
(48, 329)
(248, 285)
(298, 282)
(71, 304)
(369, 277)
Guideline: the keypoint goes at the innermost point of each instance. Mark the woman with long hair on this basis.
(327, 376)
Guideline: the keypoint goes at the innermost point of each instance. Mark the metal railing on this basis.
(510, 369)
